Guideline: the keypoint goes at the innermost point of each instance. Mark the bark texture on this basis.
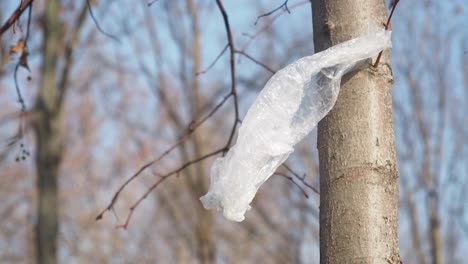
(358, 171)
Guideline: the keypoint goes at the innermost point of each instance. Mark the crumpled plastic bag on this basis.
(290, 105)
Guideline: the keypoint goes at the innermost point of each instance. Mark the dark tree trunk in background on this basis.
(204, 230)
(358, 171)
(48, 126)
(49, 141)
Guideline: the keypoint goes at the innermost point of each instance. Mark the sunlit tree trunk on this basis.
(358, 171)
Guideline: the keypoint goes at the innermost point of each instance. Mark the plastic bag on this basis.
(290, 105)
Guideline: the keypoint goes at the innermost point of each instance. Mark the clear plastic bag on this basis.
(290, 105)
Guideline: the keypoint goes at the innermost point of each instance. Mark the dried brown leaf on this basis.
(24, 59)
(18, 48)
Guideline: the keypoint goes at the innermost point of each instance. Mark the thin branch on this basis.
(214, 62)
(152, 2)
(295, 183)
(220, 54)
(233, 71)
(29, 22)
(144, 167)
(256, 61)
(192, 127)
(15, 16)
(212, 112)
(301, 178)
(91, 13)
(18, 90)
(387, 25)
(284, 5)
(161, 179)
(270, 23)
(21, 62)
(70, 49)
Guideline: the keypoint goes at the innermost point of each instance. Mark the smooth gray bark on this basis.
(358, 171)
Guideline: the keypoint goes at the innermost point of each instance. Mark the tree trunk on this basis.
(49, 143)
(204, 230)
(49, 152)
(436, 237)
(358, 171)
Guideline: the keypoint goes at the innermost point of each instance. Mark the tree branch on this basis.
(15, 16)
(214, 62)
(284, 5)
(162, 178)
(301, 178)
(393, 5)
(91, 13)
(233, 71)
(264, 66)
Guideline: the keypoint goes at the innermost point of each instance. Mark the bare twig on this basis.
(144, 167)
(270, 23)
(233, 71)
(68, 58)
(161, 179)
(255, 61)
(301, 178)
(284, 5)
(192, 127)
(214, 62)
(152, 2)
(387, 25)
(18, 90)
(214, 110)
(15, 16)
(91, 13)
(295, 183)
(238, 52)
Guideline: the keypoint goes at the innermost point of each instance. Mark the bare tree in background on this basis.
(432, 110)
(48, 126)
